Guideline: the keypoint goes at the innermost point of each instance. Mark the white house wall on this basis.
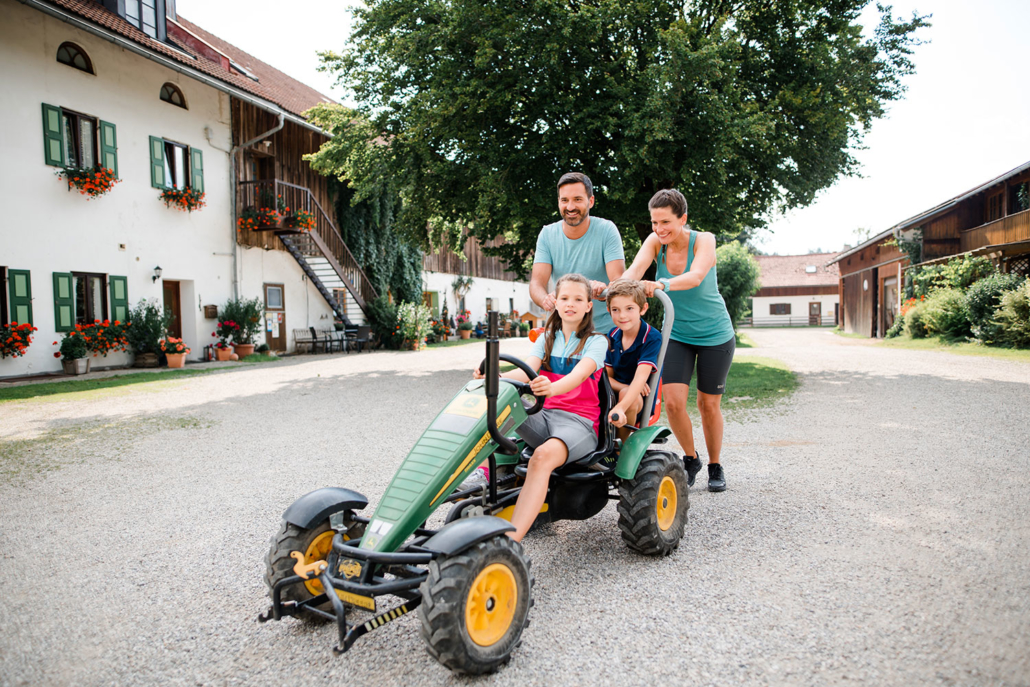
(798, 306)
(475, 298)
(127, 232)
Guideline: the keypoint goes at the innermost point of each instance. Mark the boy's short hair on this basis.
(627, 287)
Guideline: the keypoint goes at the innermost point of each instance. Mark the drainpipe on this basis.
(232, 191)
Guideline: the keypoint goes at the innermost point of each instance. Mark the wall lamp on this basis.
(157, 273)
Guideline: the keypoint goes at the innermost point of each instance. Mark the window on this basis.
(341, 297)
(811, 269)
(170, 93)
(90, 297)
(1019, 197)
(74, 56)
(143, 15)
(176, 156)
(992, 208)
(779, 308)
(274, 297)
(80, 139)
(511, 306)
(175, 165)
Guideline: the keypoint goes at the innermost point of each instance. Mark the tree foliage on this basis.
(738, 275)
(471, 109)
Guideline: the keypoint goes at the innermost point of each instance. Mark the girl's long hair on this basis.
(583, 331)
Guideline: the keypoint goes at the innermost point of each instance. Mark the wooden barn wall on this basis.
(289, 145)
(941, 234)
(870, 256)
(475, 264)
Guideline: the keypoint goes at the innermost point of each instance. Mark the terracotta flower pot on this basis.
(79, 366)
(176, 360)
(465, 333)
(243, 350)
(222, 354)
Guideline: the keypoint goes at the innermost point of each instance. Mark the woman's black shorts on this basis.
(712, 362)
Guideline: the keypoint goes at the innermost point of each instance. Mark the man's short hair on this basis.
(576, 178)
(669, 198)
(627, 287)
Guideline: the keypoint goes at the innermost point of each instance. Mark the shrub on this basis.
(738, 278)
(15, 338)
(944, 314)
(1013, 317)
(246, 315)
(382, 317)
(263, 348)
(983, 300)
(915, 325)
(413, 322)
(149, 323)
(73, 346)
(896, 328)
(957, 274)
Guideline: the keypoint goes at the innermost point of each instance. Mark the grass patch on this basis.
(456, 342)
(24, 459)
(744, 341)
(847, 335)
(260, 358)
(961, 348)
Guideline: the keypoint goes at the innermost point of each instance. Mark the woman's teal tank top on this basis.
(701, 315)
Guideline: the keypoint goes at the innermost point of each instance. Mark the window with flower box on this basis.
(82, 297)
(175, 165)
(76, 140)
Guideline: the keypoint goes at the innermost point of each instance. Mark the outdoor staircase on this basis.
(319, 251)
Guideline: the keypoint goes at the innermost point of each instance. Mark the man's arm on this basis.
(538, 286)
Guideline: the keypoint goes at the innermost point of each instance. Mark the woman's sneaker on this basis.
(716, 478)
(692, 464)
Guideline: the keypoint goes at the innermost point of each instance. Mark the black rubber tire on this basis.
(279, 564)
(444, 597)
(638, 501)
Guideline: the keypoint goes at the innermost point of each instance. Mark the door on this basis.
(173, 302)
(815, 313)
(275, 317)
(890, 302)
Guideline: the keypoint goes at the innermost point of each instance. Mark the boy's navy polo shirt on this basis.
(643, 351)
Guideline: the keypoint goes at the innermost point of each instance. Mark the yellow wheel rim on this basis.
(490, 607)
(666, 508)
(318, 550)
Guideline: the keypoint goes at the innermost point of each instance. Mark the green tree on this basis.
(471, 109)
(738, 278)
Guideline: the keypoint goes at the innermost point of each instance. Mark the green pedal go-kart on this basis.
(470, 583)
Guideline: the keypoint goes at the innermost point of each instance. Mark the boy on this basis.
(633, 348)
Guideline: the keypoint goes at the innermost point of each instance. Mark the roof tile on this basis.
(790, 270)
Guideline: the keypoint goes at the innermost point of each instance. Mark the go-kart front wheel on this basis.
(653, 505)
(475, 605)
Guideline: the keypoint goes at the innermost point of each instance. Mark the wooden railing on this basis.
(1005, 230)
(289, 198)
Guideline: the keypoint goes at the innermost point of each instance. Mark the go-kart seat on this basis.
(605, 433)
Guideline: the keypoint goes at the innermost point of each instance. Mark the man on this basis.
(579, 243)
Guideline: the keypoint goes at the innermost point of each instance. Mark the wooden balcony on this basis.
(1005, 230)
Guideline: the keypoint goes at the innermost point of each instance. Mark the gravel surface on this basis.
(875, 531)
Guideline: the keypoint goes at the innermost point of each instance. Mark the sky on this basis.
(964, 120)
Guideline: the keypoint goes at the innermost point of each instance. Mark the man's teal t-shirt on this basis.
(586, 255)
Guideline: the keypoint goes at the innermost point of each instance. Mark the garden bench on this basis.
(302, 338)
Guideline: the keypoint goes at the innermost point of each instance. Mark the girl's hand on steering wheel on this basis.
(541, 386)
(476, 374)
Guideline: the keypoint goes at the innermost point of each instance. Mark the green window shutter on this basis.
(196, 170)
(19, 287)
(64, 301)
(436, 304)
(157, 163)
(53, 136)
(109, 147)
(119, 298)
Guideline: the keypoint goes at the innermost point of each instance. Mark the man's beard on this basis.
(572, 223)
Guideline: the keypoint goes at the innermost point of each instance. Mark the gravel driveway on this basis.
(876, 530)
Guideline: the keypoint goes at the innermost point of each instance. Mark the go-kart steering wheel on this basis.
(521, 387)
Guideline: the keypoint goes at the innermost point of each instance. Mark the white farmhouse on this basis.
(796, 290)
(130, 86)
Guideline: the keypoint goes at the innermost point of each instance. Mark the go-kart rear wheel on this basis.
(653, 505)
(315, 543)
(475, 605)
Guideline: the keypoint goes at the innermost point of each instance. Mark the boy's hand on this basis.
(541, 386)
(621, 413)
(646, 391)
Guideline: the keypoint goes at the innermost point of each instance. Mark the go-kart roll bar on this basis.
(493, 379)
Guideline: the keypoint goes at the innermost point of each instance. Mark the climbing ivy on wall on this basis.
(367, 229)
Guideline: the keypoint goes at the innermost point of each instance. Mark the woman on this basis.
(702, 333)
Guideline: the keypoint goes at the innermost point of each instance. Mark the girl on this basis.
(570, 362)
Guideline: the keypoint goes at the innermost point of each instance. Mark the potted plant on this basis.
(301, 220)
(185, 199)
(464, 324)
(74, 353)
(175, 351)
(246, 314)
(413, 320)
(15, 338)
(89, 181)
(258, 219)
(224, 331)
(105, 337)
(524, 329)
(149, 322)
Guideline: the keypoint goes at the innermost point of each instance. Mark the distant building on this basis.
(992, 219)
(796, 290)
